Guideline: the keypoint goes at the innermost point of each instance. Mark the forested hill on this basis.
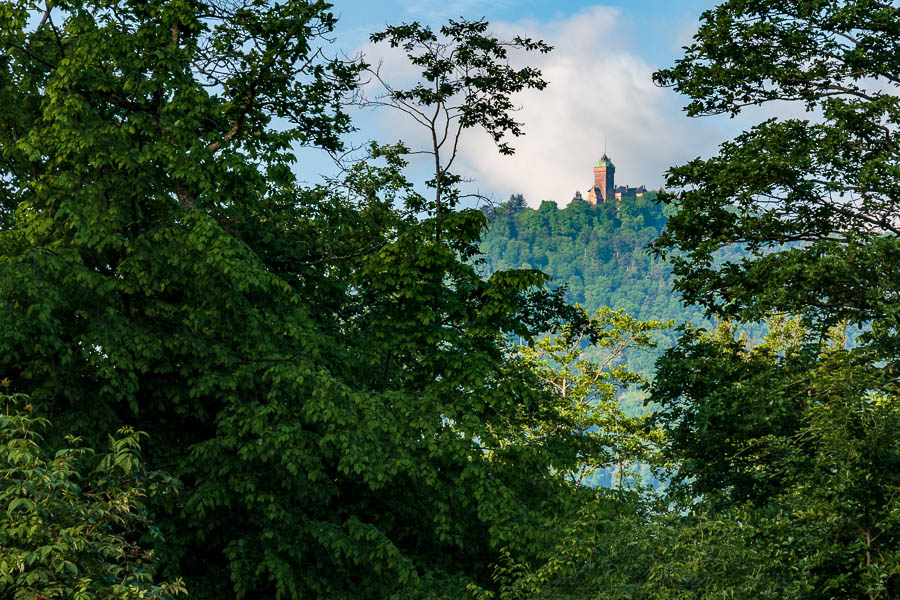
(597, 251)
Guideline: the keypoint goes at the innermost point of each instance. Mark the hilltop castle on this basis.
(604, 188)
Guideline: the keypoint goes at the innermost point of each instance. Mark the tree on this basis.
(601, 259)
(331, 383)
(515, 204)
(718, 396)
(800, 467)
(601, 439)
(467, 82)
(814, 200)
(786, 450)
(822, 516)
(74, 522)
(792, 439)
(588, 390)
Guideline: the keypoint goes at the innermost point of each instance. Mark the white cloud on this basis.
(600, 92)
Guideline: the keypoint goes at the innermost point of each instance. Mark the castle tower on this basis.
(604, 188)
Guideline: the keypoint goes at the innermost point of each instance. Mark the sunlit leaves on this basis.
(74, 524)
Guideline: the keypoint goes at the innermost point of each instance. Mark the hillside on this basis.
(598, 252)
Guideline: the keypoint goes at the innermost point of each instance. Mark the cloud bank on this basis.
(600, 94)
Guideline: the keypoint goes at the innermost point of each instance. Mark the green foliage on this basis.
(718, 396)
(598, 253)
(330, 377)
(828, 183)
(334, 378)
(610, 446)
(605, 446)
(786, 450)
(514, 205)
(590, 538)
(788, 504)
(788, 447)
(74, 523)
(818, 454)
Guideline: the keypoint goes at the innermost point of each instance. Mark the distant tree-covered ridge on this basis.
(599, 252)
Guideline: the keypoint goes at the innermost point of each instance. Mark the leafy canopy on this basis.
(815, 200)
(329, 376)
(74, 523)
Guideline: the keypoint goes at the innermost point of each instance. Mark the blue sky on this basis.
(659, 23)
(600, 91)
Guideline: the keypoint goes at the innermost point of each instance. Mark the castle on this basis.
(604, 188)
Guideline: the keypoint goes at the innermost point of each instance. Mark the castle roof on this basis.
(604, 162)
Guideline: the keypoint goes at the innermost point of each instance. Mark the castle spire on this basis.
(604, 187)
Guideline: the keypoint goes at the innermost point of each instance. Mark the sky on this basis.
(600, 93)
